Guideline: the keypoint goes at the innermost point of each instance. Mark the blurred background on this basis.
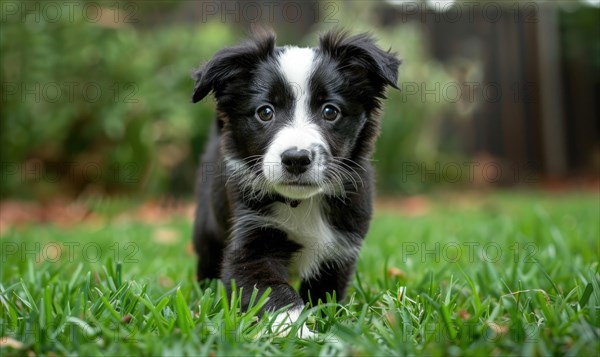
(96, 95)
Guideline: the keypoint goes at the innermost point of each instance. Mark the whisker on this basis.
(247, 175)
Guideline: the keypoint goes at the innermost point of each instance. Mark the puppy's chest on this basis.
(307, 225)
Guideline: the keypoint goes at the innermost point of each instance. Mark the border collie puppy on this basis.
(286, 185)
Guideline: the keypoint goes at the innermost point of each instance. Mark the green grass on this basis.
(512, 273)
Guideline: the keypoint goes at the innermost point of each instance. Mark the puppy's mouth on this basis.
(297, 190)
(299, 184)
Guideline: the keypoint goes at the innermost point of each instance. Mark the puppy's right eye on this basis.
(265, 113)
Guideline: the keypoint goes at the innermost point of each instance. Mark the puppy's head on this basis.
(294, 121)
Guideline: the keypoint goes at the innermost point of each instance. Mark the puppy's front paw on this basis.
(282, 326)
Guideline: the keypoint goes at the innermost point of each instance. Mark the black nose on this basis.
(296, 161)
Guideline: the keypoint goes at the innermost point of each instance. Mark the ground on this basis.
(471, 274)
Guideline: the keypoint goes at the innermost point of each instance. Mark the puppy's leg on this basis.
(332, 276)
(212, 211)
(284, 321)
(209, 248)
(208, 243)
(259, 258)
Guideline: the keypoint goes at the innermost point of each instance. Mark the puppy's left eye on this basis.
(330, 112)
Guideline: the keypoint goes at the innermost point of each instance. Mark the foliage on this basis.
(100, 107)
(103, 106)
(512, 274)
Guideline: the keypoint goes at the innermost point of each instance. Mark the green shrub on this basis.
(94, 108)
(88, 107)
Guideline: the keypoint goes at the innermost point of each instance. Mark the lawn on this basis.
(505, 273)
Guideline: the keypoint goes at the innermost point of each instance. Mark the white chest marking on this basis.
(307, 226)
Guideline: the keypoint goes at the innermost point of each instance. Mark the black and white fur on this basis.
(291, 192)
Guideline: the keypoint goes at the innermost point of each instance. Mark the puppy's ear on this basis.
(232, 62)
(361, 51)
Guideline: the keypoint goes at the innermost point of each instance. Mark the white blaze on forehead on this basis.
(297, 65)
